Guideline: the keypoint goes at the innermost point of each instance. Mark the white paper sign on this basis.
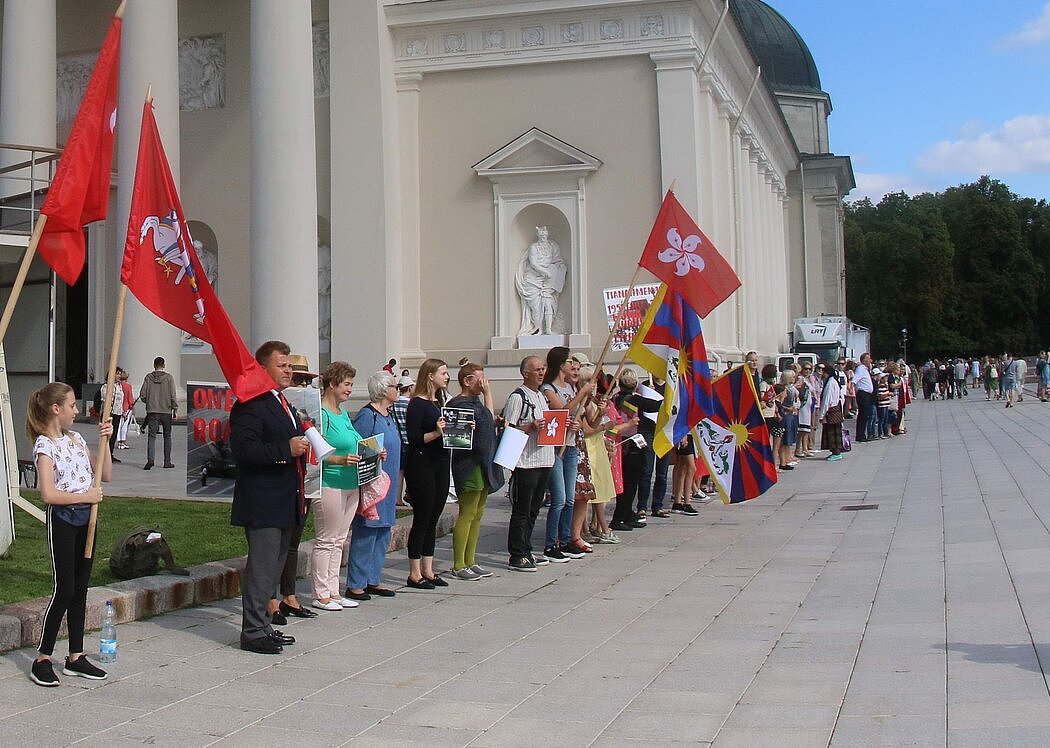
(510, 447)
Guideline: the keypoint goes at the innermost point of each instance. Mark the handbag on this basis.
(372, 493)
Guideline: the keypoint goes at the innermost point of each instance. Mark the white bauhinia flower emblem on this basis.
(682, 253)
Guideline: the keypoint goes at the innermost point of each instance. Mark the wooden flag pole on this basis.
(23, 272)
(107, 407)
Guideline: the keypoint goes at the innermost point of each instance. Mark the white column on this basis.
(367, 263)
(404, 280)
(677, 94)
(283, 234)
(27, 86)
(149, 55)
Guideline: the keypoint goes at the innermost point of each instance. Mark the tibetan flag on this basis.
(162, 269)
(681, 256)
(734, 440)
(670, 346)
(79, 193)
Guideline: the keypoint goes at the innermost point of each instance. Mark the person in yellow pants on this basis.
(474, 473)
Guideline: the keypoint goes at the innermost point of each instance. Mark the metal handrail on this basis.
(19, 191)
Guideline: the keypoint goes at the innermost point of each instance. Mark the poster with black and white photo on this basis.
(459, 428)
(370, 451)
(306, 401)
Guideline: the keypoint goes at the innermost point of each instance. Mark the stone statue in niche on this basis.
(540, 279)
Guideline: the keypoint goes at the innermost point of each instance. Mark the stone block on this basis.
(10, 632)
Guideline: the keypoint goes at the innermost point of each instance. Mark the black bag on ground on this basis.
(134, 555)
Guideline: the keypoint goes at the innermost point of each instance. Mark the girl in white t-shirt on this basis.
(64, 469)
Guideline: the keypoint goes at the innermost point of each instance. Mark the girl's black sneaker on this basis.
(43, 673)
(83, 667)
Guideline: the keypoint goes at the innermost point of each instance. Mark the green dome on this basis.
(787, 64)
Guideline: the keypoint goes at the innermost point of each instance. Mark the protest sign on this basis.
(306, 402)
(641, 298)
(510, 447)
(459, 428)
(553, 434)
(370, 451)
(210, 469)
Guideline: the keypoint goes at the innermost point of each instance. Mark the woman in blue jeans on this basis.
(561, 394)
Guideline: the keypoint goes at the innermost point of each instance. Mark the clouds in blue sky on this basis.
(1033, 34)
(1019, 146)
(934, 93)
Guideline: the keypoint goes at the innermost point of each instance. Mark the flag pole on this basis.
(107, 407)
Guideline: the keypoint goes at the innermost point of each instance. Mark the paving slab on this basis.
(781, 622)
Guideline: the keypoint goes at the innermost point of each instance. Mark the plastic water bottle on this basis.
(107, 638)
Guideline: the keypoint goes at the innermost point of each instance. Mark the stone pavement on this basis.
(786, 621)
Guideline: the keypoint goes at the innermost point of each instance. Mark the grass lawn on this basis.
(197, 531)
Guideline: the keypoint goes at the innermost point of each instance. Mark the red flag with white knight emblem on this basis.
(162, 269)
(79, 193)
(679, 254)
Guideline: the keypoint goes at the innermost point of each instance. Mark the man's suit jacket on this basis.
(268, 488)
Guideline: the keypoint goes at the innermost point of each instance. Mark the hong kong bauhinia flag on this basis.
(681, 256)
(79, 193)
(162, 269)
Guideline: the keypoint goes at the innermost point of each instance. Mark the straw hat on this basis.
(301, 365)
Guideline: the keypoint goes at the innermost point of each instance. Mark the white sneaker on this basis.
(330, 605)
(346, 602)
(480, 571)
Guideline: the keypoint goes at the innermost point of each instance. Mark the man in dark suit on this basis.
(268, 445)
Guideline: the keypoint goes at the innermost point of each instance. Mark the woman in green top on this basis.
(335, 509)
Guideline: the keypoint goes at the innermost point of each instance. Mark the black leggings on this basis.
(72, 573)
(427, 482)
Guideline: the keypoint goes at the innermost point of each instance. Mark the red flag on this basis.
(79, 193)
(681, 256)
(162, 269)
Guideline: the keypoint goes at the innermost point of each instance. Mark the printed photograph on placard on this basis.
(459, 428)
(306, 402)
(637, 305)
(370, 451)
(553, 433)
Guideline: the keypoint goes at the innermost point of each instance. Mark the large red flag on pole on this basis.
(162, 269)
(79, 193)
(681, 256)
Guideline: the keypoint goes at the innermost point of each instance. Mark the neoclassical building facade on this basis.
(363, 177)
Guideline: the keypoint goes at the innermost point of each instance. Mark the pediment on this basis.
(536, 152)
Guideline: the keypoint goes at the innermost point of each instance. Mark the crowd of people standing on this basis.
(605, 458)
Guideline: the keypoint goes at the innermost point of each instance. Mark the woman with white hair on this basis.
(369, 538)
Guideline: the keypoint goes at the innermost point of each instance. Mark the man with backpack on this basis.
(524, 411)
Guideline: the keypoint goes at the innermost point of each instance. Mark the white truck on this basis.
(828, 338)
